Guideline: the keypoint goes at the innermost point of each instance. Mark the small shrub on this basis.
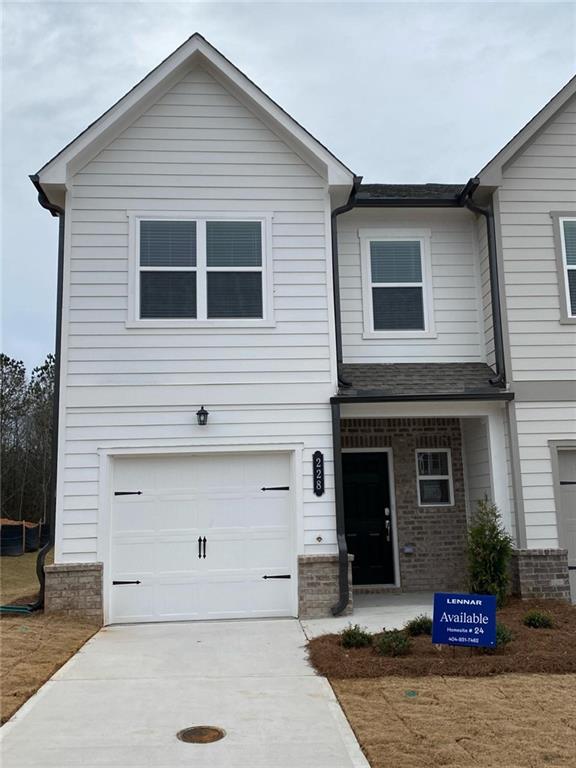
(503, 635)
(355, 637)
(394, 643)
(489, 553)
(538, 619)
(421, 625)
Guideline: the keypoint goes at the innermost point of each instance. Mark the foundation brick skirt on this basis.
(540, 573)
(318, 585)
(74, 589)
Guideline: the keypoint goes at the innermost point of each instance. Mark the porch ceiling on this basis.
(419, 381)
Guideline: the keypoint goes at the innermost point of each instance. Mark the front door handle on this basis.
(387, 530)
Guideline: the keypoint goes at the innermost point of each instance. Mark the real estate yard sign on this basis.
(461, 619)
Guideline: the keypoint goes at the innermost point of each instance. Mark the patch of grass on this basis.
(354, 636)
(421, 625)
(394, 642)
(538, 619)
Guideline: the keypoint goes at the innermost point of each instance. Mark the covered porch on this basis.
(416, 456)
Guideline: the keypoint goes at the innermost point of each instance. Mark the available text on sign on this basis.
(462, 619)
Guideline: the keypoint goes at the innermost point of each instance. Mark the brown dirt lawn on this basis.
(531, 650)
(509, 721)
(32, 646)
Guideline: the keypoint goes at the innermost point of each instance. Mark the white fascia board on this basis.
(491, 174)
(194, 51)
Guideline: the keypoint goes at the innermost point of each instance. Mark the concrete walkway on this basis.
(121, 700)
(375, 612)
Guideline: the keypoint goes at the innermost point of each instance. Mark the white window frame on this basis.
(423, 236)
(570, 315)
(435, 477)
(201, 320)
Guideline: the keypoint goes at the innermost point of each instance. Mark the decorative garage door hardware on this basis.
(567, 482)
(126, 582)
(282, 576)
(201, 547)
(127, 493)
(276, 488)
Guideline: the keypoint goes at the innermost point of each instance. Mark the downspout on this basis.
(351, 202)
(343, 586)
(488, 212)
(55, 210)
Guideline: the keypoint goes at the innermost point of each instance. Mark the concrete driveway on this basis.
(121, 700)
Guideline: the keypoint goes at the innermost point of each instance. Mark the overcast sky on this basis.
(401, 92)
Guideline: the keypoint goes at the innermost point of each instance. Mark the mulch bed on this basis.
(531, 650)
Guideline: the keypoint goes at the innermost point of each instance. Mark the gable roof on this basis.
(195, 50)
(491, 174)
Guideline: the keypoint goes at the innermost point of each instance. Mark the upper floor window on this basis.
(568, 238)
(195, 271)
(396, 283)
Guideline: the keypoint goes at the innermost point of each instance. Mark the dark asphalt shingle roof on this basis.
(417, 379)
(409, 191)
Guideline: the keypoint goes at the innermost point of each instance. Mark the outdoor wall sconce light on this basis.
(202, 416)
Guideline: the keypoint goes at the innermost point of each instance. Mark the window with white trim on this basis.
(568, 233)
(396, 283)
(434, 477)
(201, 269)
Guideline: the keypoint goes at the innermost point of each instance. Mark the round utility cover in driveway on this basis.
(201, 734)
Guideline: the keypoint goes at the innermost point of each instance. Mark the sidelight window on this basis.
(434, 478)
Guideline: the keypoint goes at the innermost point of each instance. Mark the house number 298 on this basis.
(318, 472)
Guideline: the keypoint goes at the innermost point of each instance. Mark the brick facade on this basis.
(318, 585)
(74, 589)
(437, 535)
(540, 573)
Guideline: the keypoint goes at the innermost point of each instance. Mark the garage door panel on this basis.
(213, 497)
(134, 515)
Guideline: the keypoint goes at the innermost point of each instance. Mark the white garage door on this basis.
(201, 537)
(567, 518)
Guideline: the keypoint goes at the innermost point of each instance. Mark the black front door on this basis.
(368, 517)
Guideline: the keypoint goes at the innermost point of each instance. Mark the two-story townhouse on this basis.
(531, 186)
(265, 367)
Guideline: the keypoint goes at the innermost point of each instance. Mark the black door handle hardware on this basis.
(276, 488)
(199, 547)
(127, 493)
(126, 582)
(282, 576)
(204, 545)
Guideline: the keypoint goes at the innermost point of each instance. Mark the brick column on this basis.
(74, 589)
(540, 573)
(318, 588)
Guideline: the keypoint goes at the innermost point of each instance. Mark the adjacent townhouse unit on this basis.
(276, 384)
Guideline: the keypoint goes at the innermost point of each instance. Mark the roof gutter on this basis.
(367, 397)
(56, 211)
(465, 199)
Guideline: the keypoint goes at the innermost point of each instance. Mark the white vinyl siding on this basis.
(537, 424)
(455, 288)
(568, 247)
(540, 180)
(476, 461)
(197, 152)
